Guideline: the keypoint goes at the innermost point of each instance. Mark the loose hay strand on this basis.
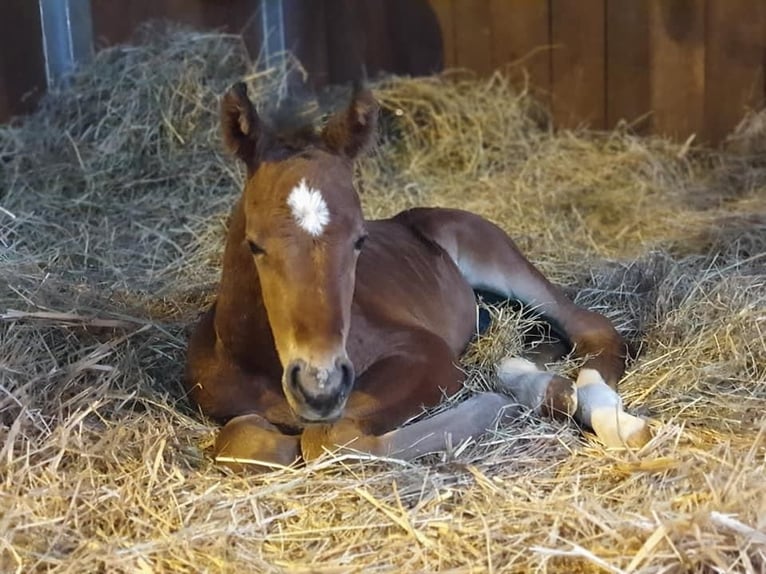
(113, 210)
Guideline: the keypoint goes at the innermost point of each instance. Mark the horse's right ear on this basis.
(240, 124)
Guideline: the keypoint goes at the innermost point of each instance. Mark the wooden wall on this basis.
(696, 65)
(22, 67)
(674, 67)
(336, 40)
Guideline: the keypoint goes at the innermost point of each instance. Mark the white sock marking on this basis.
(523, 380)
(600, 407)
(529, 384)
(514, 364)
(309, 208)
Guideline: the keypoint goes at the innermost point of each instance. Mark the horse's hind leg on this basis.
(595, 404)
(469, 419)
(489, 260)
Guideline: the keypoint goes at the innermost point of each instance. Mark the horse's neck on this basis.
(241, 322)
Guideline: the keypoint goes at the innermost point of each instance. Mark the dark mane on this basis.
(295, 122)
(294, 127)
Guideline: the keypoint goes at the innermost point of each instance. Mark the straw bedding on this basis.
(113, 207)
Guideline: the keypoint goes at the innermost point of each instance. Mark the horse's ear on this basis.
(240, 124)
(351, 131)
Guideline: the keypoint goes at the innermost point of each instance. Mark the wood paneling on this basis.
(414, 37)
(628, 82)
(116, 22)
(578, 78)
(378, 51)
(473, 41)
(521, 41)
(735, 49)
(306, 37)
(345, 45)
(673, 67)
(22, 65)
(445, 15)
(683, 66)
(677, 62)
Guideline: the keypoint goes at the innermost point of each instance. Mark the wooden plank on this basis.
(735, 46)
(578, 62)
(187, 12)
(113, 22)
(627, 64)
(244, 20)
(415, 38)
(233, 16)
(677, 56)
(22, 65)
(445, 14)
(306, 37)
(521, 41)
(473, 40)
(376, 40)
(116, 22)
(344, 41)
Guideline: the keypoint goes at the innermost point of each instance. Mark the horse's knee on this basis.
(250, 443)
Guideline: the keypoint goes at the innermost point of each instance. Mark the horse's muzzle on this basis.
(319, 394)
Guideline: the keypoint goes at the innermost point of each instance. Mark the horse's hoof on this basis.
(247, 443)
(600, 408)
(618, 429)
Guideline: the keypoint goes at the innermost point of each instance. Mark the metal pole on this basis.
(67, 36)
(273, 28)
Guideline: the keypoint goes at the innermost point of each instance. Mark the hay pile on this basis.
(113, 201)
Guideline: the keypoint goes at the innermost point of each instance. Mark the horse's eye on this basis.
(359, 243)
(256, 249)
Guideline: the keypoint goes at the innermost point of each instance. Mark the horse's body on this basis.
(315, 342)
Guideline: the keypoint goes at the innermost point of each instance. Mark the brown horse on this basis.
(332, 331)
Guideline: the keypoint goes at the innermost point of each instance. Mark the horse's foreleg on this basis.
(223, 391)
(250, 442)
(468, 419)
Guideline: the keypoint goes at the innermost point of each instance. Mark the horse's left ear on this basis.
(351, 131)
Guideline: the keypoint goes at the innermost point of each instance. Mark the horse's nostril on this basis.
(347, 373)
(293, 375)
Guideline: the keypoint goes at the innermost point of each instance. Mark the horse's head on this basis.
(304, 227)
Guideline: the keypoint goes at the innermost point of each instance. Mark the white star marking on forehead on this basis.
(309, 208)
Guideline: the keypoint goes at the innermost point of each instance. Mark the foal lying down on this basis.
(330, 331)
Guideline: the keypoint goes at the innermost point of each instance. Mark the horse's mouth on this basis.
(323, 413)
(319, 421)
(309, 418)
(316, 395)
